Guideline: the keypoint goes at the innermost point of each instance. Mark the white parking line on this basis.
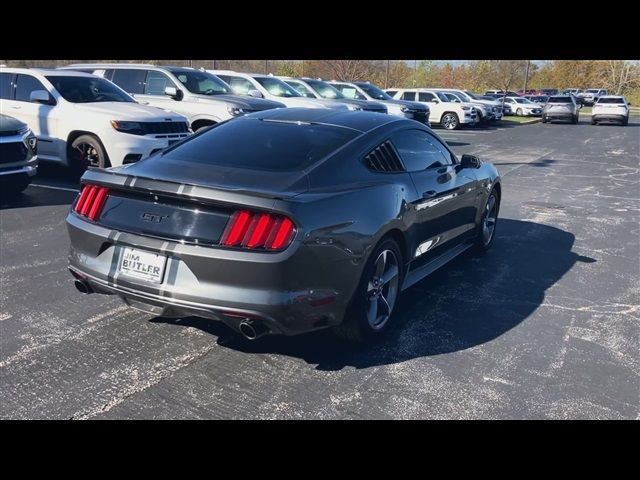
(51, 187)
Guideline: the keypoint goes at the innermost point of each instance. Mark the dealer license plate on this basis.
(144, 265)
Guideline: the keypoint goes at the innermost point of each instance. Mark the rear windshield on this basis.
(267, 145)
(611, 100)
(560, 100)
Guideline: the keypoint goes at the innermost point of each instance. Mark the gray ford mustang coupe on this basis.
(283, 221)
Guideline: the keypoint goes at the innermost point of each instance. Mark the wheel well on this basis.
(78, 133)
(202, 123)
(446, 113)
(498, 190)
(398, 236)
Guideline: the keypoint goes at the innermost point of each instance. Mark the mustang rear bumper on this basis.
(303, 288)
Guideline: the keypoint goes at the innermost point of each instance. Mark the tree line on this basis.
(618, 76)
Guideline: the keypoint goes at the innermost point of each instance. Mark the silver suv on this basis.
(200, 96)
(561, 107)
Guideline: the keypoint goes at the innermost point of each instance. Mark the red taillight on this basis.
(258, 230)
(91, 201)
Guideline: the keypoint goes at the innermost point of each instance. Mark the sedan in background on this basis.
(18, 155)
(538, 98)
(610, 109)
(523, 107)
(283, 221)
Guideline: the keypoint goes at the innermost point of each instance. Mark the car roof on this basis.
(49, 72)
(112, 65)
(613, 96)
(361, 121)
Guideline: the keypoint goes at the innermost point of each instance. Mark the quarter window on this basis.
(130, 80)
(420, 151)
(426, 97)
(25, 84)
(409, 96)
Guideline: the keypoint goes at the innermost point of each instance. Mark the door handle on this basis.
(429, 194)
(16, 107)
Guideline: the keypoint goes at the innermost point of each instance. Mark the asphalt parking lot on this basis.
(543, 326)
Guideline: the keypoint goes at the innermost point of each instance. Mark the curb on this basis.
(527, 122)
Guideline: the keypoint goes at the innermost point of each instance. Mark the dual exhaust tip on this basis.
(83, 287)
(249, 328)
(252, 329)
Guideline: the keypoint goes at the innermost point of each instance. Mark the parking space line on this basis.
(51, 187)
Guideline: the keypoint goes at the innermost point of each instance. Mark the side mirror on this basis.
(434, 100)
(470, 161)
(174, 93)
(255, 93)
(40, 96)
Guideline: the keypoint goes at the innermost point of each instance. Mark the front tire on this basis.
(488, 223)
(519, 112)
(370, 311)
(87, 151)
(450, 121)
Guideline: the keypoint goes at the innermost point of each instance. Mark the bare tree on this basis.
(620, 75)
(349, 70)
(507, 72)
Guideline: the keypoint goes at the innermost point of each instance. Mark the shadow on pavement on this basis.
(471, 301)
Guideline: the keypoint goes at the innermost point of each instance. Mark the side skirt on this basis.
(414, 276)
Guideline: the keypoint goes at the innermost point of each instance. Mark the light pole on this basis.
(386, 77)
(526, 77)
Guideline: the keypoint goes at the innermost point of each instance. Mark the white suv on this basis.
(447, 114)
(83, 120)
(268, 86)
(610, 108)
(202, 97)
(488, 110)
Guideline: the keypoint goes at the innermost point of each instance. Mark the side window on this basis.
(426, 96)
(420, 151)
(130, 80)
(5, 85)
(391, 93)
(350, 92)
(409, 96)
(25, 84)
(449, 157)
(156, 82)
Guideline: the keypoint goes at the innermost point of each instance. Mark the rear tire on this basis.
(593, 122)
(370, 312)
(625, 122)
(87, 151)
(576, 119)
(488, 223)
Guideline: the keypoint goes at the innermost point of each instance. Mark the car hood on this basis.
(365, 104)
(10, 124)
(305, 102)
(406, 103)
(129, 111)
(172, 169)
(244, 102)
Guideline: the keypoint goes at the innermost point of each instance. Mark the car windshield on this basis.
(614, 100)
(452, 97)
(522, 100)
(277, 87)
(201, 83)
(324, 89)
(560, 100)
(374, 92)
(593, 90)
(442, 97)
(265, 145)
(88, 89)
(472, 95)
